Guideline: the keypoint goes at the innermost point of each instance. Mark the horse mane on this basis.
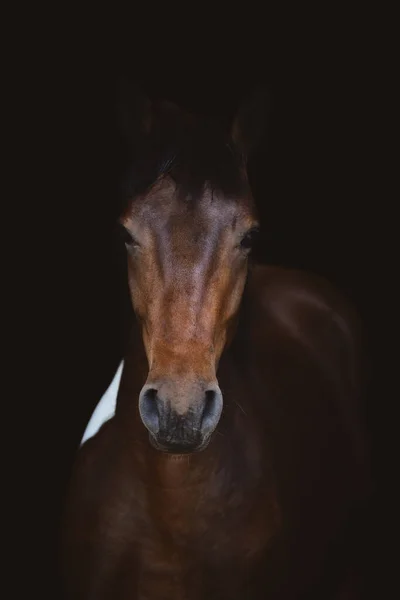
(194, 152)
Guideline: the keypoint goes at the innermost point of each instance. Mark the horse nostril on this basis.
(212, 410)
(148, 409)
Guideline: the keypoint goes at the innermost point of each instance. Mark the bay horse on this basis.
(227, 459)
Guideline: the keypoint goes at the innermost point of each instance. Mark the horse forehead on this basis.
(165, 206)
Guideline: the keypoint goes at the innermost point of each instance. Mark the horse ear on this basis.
(250, 122)
(134, 111)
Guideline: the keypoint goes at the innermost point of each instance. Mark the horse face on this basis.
(187, 267)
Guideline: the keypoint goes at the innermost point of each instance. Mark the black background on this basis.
(314, 177)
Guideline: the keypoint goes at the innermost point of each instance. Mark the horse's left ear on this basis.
(250, 122)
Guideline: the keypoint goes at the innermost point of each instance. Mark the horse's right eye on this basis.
(126, 236)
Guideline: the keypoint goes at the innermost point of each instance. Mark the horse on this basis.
(228, 459)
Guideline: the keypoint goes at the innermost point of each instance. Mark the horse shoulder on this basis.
(311, 311)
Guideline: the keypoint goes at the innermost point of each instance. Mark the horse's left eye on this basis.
(249, 239)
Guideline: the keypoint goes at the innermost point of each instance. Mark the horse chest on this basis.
(191, 535)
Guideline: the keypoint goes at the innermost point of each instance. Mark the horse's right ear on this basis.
(250, 122)
(134, 116)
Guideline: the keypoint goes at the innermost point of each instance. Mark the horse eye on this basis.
(125, 236)
(249, 238)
